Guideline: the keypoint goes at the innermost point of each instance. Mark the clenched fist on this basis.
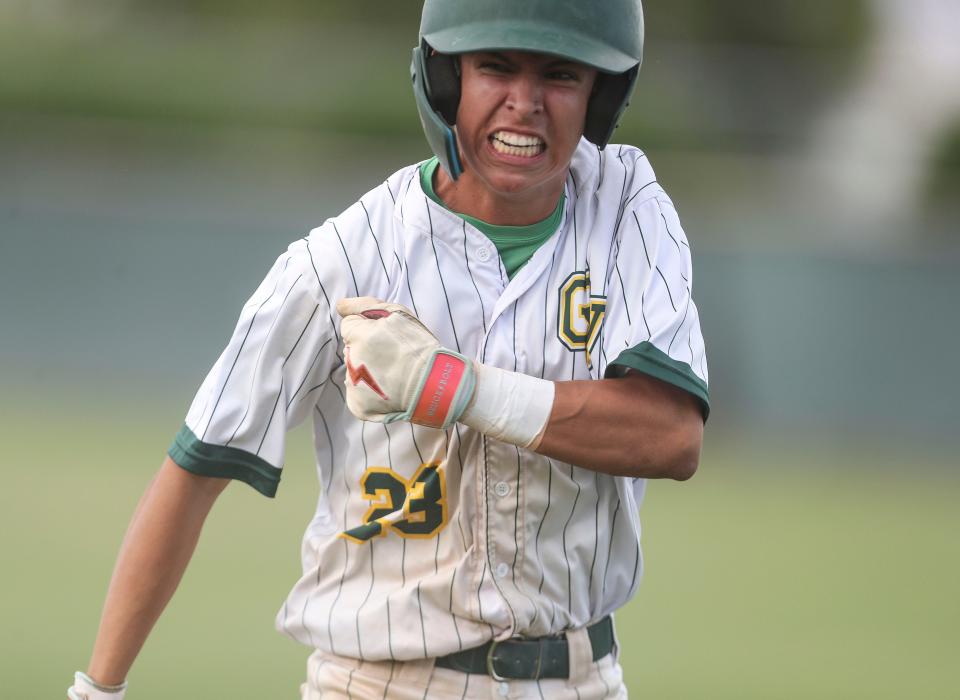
(396, 368)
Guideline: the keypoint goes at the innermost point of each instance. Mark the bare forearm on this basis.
(158, 545)
(633, 426)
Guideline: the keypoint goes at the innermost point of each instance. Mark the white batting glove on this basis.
(397, 370)
(85, 688)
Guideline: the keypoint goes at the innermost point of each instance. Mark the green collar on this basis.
(515, 244)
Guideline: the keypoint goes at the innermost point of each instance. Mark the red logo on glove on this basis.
(362, 374)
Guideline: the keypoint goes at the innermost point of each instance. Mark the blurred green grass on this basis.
(770, 574)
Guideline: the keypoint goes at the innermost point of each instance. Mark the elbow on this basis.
(685, 466)
(677, 456)
(686, 454)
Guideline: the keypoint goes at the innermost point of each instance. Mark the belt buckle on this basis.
(491, 670)
(491, 663)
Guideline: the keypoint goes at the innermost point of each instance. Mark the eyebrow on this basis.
(556, 63)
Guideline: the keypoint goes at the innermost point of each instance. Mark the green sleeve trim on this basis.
(646, 358)
(205, 459)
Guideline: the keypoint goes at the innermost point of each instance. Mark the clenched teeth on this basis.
(512, 144)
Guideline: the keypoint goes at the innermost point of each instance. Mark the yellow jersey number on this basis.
(415, 507)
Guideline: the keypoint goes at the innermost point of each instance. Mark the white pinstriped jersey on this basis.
(488, 540)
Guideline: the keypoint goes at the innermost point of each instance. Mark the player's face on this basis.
(520, 119)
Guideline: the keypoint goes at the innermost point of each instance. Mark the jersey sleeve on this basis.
(652, 325)
(265, 382)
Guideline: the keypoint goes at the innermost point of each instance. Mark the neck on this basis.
(469, 196)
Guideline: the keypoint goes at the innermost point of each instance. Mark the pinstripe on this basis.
(240, 352)
(685, 312)
(596, 533)
(546, 317)
(642, 239)
(566, 557)
(456, 627)
(306, 375)
(326, 491)
(456, 427)
(346, 256)
(256, 366)
(666, 227)
(644, 315)
(483, 573)
(635, 194)
(280, 391)
(657, 268)
(516, 511)
(634, 580)
(346, 562)
(426, 691)
(326, 430)
(390, 631)
(626, 297)
(406, 195)
(375, 242)
(473, 281)
(613, 529)
(616, 226)
(485, 487)
(343, 572)
(600, 170)
(326, 298)
(406, 273)
(423, 627)
(365, 600)
(349, 682)
(386, 688)
(543, 518)
(443, 286)
(614, 241)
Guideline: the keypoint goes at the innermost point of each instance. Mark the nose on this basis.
(526, 94)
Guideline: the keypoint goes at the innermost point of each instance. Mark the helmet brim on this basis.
(536, 37)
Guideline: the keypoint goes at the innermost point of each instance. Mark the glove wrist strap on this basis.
(445, 390)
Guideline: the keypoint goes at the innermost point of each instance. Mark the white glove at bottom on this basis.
(397, 370)
(85, 688)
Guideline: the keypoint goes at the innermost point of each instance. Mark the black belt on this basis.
(528, 659)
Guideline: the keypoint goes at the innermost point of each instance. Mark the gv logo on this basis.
(580, 314)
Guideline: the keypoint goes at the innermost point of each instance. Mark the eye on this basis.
(564, 75)
(494, 66)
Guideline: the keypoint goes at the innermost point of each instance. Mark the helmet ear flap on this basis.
(611, 95)
(443, 83)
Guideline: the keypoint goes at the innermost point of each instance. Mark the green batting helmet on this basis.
(604, 34)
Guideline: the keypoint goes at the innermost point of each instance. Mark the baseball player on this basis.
(496, 348)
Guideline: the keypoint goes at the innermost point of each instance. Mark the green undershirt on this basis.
(515, 244)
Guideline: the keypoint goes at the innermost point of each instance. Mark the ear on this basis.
(607, 102)
(443, 76)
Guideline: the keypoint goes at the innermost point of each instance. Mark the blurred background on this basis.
(156, 158)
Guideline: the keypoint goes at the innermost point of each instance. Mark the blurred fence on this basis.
(140, 143)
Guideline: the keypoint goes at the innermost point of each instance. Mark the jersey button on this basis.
(502, 488)
(504, 689)
(502, 569)
(483, 254)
